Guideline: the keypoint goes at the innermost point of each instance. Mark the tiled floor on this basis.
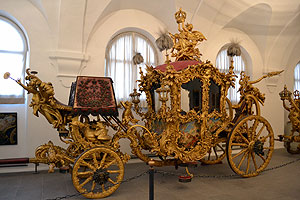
(281, 183)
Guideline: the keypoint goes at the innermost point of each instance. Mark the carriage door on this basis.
(214, 96)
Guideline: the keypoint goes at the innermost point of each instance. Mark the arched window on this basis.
(223, 63)
(119, 62)
(297, 77)
(13, 56)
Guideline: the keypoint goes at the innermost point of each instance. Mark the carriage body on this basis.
(186, 134)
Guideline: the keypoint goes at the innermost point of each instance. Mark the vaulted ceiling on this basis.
(272, 25)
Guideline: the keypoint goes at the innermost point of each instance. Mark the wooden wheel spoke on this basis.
(263, 139)
(85, 174)
(84, 163)
(238, 154)
(248, 162)
(254, 161)
(260, 131)
(262, 157)
(95, 160)
(113, 182)
(208, 158)
(243, 137)
(221, 147)
(247, 128)
(215, 151)
(110, 163)
(86, 181)
(93, 186)
(113, 171)
(239, 144)
(102, 160)
(242, 160)
(255, 125)
(103, 188)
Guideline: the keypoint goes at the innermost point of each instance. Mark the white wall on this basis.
(68, 38)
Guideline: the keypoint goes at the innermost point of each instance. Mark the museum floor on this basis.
(214, 182)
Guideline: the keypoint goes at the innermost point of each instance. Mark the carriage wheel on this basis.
(293, 147)
(250, 146)
(97, 172)
(216, 153)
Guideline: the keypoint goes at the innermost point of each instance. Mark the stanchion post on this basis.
(36, 168)
(151, 180)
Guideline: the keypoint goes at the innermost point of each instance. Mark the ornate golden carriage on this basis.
(188, 119)
(292, 139)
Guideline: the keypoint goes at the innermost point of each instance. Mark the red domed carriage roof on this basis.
(178, 65)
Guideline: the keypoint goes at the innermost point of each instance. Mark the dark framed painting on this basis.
(8, 129)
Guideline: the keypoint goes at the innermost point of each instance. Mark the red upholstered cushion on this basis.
(95, 95)
(178, 65)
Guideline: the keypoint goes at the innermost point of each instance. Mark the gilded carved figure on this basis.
(186, 40)
(127, 115)
(43, 100)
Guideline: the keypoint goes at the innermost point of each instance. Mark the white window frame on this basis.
(126, 86)
(297, 77)
(16, 98)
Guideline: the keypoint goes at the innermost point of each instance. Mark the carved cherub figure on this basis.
(54, 157)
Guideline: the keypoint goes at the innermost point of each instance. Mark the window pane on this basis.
(119, 65)
(297, 77)
(10, 38)
(12, 63)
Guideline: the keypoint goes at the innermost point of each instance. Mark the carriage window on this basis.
(192, 93)
(154, 97)
(120, 66)
(214, 97)
(156, 103)
(223, 63)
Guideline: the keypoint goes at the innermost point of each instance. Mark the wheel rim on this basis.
(97, 172)
(216, 153)
(250, 146)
